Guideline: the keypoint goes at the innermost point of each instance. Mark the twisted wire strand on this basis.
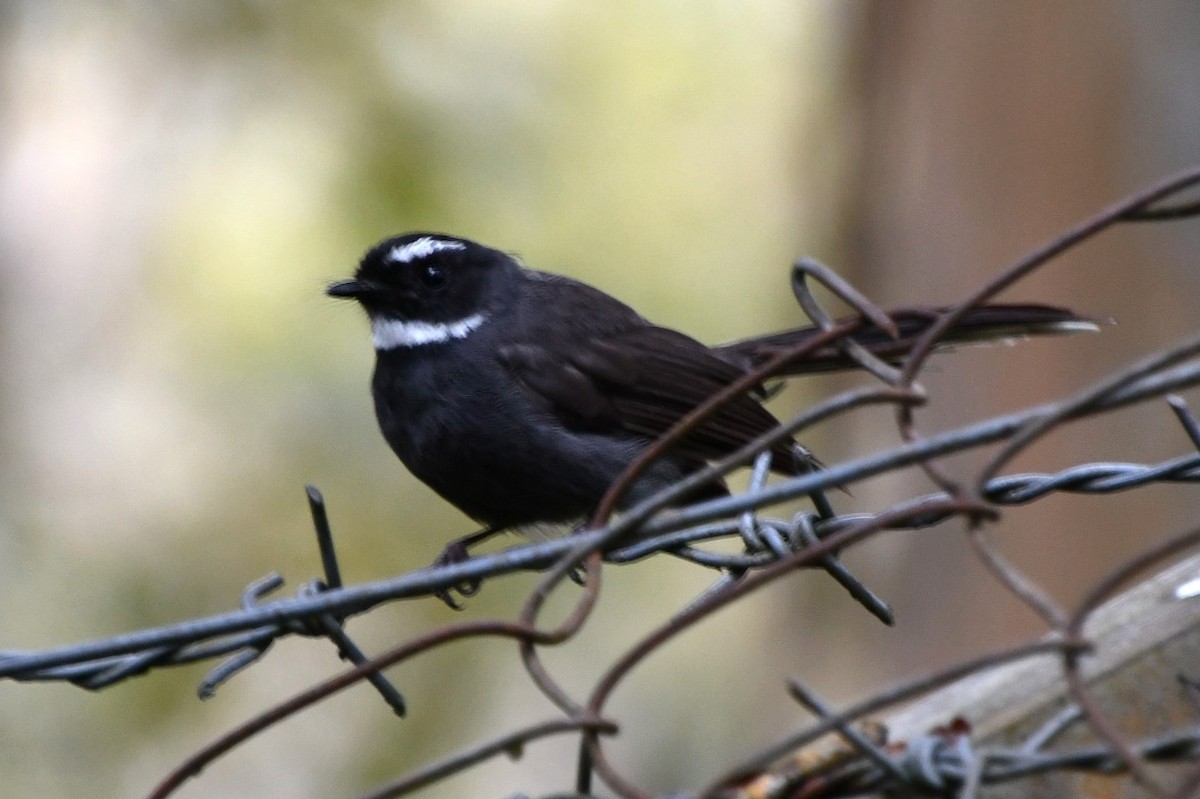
(98, 664)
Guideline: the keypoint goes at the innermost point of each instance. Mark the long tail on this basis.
(986, 323)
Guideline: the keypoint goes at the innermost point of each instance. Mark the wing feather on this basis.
(643, 379)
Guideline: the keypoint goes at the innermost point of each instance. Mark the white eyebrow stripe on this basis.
(426, 245)
(391, 334)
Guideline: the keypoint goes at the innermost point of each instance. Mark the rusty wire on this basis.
(942, 761)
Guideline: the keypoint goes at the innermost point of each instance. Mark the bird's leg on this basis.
(576, 573)
(458, 551)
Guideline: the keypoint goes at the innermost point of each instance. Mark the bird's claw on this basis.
(458, 551)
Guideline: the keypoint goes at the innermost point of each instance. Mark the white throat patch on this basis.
(390, 334)
(426, 245)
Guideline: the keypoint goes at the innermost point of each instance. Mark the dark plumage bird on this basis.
(520, 395)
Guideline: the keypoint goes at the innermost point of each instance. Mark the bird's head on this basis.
(429, 288)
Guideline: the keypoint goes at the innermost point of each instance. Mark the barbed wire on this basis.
(944, 760)
(99, 664)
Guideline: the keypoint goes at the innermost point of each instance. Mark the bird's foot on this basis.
(576, 573)
(459, 551)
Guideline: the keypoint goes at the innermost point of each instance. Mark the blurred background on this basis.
(178, 183)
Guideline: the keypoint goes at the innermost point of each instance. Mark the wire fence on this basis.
(943, 760)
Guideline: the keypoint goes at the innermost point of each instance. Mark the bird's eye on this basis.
(432, 276)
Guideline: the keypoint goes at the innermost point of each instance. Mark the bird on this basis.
(520, 395)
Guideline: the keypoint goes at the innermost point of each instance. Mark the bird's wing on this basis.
(642, 379)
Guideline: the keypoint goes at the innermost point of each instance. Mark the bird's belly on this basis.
(501, 460)
(512, 470)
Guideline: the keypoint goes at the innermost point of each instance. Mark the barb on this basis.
(1164, 213)
(330, 624)
(251, 653)
(1186, 418)
(316, 506)
(806, 530)
(869, 749)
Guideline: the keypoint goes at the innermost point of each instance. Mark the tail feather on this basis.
(983, 324)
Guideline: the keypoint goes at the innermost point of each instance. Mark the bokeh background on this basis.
(179, 181)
